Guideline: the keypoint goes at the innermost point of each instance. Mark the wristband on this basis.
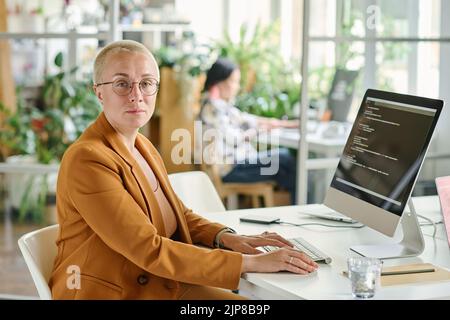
(217, 240)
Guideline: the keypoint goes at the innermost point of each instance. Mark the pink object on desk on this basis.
(443, 188)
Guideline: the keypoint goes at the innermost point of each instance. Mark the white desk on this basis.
(317, 142)
(328, 282)
(328, 147)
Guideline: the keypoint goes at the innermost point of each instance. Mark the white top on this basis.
(228, 127)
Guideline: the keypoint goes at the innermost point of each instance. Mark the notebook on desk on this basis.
(440, 274)
(443, 188)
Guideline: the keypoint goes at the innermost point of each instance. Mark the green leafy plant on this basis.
(16, 135)
(254, 50)
(65, 108)
(271, 100)
(188, 57)
(319, 84)
(270, 86)
(68, 107)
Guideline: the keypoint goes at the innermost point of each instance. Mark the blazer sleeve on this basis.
(201, 230)
(95, 188)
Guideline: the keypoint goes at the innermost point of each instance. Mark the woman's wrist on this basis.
(247, 263)
(226, 239)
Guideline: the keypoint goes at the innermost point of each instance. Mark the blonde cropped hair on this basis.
(115, 47)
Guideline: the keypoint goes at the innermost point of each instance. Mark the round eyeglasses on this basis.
(123, 87)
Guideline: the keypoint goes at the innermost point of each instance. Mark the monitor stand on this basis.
(412, 244)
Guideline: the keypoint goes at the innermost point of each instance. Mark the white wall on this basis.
(249, 12)
(206, 16)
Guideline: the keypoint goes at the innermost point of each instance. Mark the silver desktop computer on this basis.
(379, 167)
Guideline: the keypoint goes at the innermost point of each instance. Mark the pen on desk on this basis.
(393, 273)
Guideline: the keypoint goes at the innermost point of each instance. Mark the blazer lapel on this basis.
(165, 186)
(150, 199)
(144, 196)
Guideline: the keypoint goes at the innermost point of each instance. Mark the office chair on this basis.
(253, 189)
(39, 251)
(196, 191)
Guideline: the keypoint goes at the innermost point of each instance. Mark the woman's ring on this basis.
(290, 260)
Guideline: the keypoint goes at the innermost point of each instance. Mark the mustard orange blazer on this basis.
(111, 227)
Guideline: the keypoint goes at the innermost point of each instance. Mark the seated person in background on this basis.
(124, 233)
(233, 151)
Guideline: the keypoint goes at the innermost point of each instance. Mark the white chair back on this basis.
(196, 191)
(39, 251)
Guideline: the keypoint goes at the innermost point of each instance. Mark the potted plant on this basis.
(257, 50)
(183, 70)
(185, 62)
(64, 109)
(274, 89)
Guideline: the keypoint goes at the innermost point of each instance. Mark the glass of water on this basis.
(364, 274)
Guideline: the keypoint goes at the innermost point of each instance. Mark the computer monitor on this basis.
(340, 96)
(379, 166)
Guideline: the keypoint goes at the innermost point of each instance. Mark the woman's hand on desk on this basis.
(284, 259)
(248, 244)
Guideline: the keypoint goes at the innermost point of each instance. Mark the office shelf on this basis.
(44, 35)
(156, 27)
(73, 36)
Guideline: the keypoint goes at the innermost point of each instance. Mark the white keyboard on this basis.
(306, 247)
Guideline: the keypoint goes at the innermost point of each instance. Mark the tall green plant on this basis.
(270, 86)
(68, 107)
(254, 51)
(16, 135)
(188, 57)
(65, 108)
